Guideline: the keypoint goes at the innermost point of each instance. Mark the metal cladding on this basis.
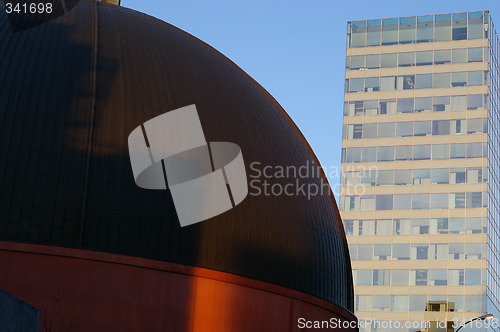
(71, 92)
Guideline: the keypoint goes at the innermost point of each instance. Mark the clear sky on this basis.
(295, 49)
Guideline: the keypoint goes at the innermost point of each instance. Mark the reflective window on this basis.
(372, 84)
(459, 24)
(442, 27)
(357, 62)
(441, 151)
(369, 154)
(363, 277)
(389, 60)
(424, 81)
(422, 152)
(356, 84)
(441, 80)
(420, 201)
(402, 202)
(373, 61)
(442, 57)
(459, 79)
(422, 128)
(404, 129)
(424, 58)
(386, 153)
(387, 129)
(407, 30)
(382, 277)
(358, 34)
(400, 277)
(439, 201)
(390, 31)
(459, 55)
(365, 252)
(382, 252)
(423, 104)
(475, 25)
(406, 59)
(475, 54)
(384, 202)
(373, 34)
(404, 152)
(475, 78)
(425, 28)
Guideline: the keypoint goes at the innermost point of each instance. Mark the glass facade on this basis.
(420, 163)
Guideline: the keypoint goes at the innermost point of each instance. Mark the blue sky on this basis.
(295, 49)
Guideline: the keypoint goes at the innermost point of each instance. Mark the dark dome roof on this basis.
(71, 92)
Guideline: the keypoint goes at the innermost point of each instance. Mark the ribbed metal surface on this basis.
(72, 90)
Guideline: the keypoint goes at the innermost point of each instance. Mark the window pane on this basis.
(385, 178)
(407, 30)
(439, 201)
(457, 225)
(423, 104)
(399, 303)
(421, 176)
(406, 59)
(387, 83)
(386, 153)
(475, 26)
(422, 152)
(382, 277)
(402, 202)
(373, 36)
(388, 106)
(459, 55)
(382, 252)
(420, 201)
(441, 151)
(358, 34)
(384, 202)
(440, 127)
(401, 251)
(367, 203)
(372, 84)
(473, 277)
(424, 81)
(441, 103)
(371, 107)
(404, 129)
(440, 175)
(437, 277)
(387, 129)
(474, 102)
(390, 31)
(405, 105)
(389, 60)
(475, 78)
(418, 302)
(475, 126)
(474, 150)
(422, 128)
(404, 152)
(400, 277)
(457, 151)
(401, 227)
(459, 79)
(369, 154)
(442, 80)
(425, 28)
(442, 57)
(365, 251)
(364, 277)
(459, 24)
(424, 58)
(476, 54)
(405, 82)
(442, 30)
(356, 84)
(357, 62)
(353, 155)
(373, 61)
(403, 177)
(458, 103)
(381, 302)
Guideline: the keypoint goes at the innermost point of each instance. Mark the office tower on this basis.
(420, 181)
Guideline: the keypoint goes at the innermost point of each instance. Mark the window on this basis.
(372, 84)
(474, 200)
(425, 28)
(456, 277)
(418, 302)
(459, 24)
(407, 30)
(405, 105)
(475, 126)
(475, 26)
(475, 54)
(385, 178)
(384, 202)
(473, 251)
(437, 278)
(420, 277)
(404, 129)
(474, 102)
(440, 176)
(457, 200)
(373, 61)
(441, 104)
(387, 129)
(400, 277)
(420, 251)
(458, 79)
(386, 153)
(473, 277)
(403, 177)
(373, 34)
(399, 302)
(457, 127)
(371, 107)
(405, 82)
(402, 202)
(401, 251)
(390, 31)
(358, 34)
(363, 302)
(421, 176)
(457, 225)
(353, 155)
(388, 106)
(440, 127)
(356, 84)
(369, 154)
(422, 152)
(382, 252)
(459, 55)
(442, 80)
(457, 175)
(474, 150)
(441, 151)
(423, 104)
(423, 58)
(355, 131)
(457, 151)
(420, 226)
(475, 78)
(370, 130)
(381, 302)
(456, 251)
(420, 201)
(404, 152)
(364, 277)
(389, 60)
(383, 227)
(476, 225)
(442, 57)
(406, 59)
(367, 203)
(365, 251)
(357, 62)
(422, 128)
(458, 103)
(442, 30)
(368, 178)
(387, 83)
(381, 277)
(424, 81)
(439, 201)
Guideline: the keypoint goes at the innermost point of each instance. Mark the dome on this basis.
(71, 92)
